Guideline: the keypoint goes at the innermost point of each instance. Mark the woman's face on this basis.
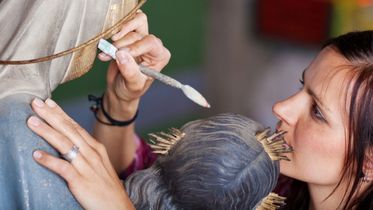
(315, 121)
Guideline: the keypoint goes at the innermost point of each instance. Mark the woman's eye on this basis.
(301, 81)
(317, 113)
(302, 84)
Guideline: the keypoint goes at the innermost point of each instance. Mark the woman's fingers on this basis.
(58, 166)
(128, 39)
(94, 184)
(130, 83)
(54, 138)
(133, 79)
(58, 141)
(63, 132)
(92, 191)
(138, 24)
(152, 51)
(130, 32)
(59, 120)
(104, 57)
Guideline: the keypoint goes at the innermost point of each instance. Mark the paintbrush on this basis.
(188, 91)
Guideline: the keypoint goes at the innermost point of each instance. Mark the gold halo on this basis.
(93, 40)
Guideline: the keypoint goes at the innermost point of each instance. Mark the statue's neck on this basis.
(25, 79)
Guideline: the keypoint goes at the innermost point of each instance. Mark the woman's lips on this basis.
(278, 125)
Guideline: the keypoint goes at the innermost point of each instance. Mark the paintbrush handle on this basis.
(111, 50)
(161, 77)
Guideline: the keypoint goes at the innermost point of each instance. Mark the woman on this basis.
(327, 123)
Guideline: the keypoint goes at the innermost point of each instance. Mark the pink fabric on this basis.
(144, 158)
(283, 185)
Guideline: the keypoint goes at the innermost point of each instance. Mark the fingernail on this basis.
(104, 55)
(50, 103)
(117, 36)
(122, 57)
(38, 102)
(37, 155)
(34, 121)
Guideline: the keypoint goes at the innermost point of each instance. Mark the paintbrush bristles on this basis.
(274, 145)
(271, 202)
(163, 142)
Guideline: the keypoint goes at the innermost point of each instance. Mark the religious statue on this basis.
(53, 42)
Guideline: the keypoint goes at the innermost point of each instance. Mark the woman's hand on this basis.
(125, 83)
(90, 176)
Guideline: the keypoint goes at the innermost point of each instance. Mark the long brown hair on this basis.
(356, 47)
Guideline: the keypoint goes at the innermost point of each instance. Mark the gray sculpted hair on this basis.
(219, 165)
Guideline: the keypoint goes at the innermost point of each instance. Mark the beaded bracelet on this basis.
(100, 105)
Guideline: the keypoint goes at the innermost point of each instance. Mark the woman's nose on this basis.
(287, 110)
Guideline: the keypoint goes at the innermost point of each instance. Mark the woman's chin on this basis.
(286, 167)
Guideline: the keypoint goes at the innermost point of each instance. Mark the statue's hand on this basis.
(90, 176)
(125, 83)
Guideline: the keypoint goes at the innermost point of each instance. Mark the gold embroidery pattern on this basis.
(83, 59)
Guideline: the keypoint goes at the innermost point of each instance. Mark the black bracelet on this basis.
(100, 105)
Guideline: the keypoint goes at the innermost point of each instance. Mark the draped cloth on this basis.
(31, 29)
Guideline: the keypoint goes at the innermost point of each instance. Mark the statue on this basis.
(32, 30)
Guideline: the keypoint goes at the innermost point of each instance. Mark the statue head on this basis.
(222, 162)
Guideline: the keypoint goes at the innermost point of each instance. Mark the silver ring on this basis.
(70, 155)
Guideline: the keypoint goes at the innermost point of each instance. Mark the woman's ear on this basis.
(368, 166)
